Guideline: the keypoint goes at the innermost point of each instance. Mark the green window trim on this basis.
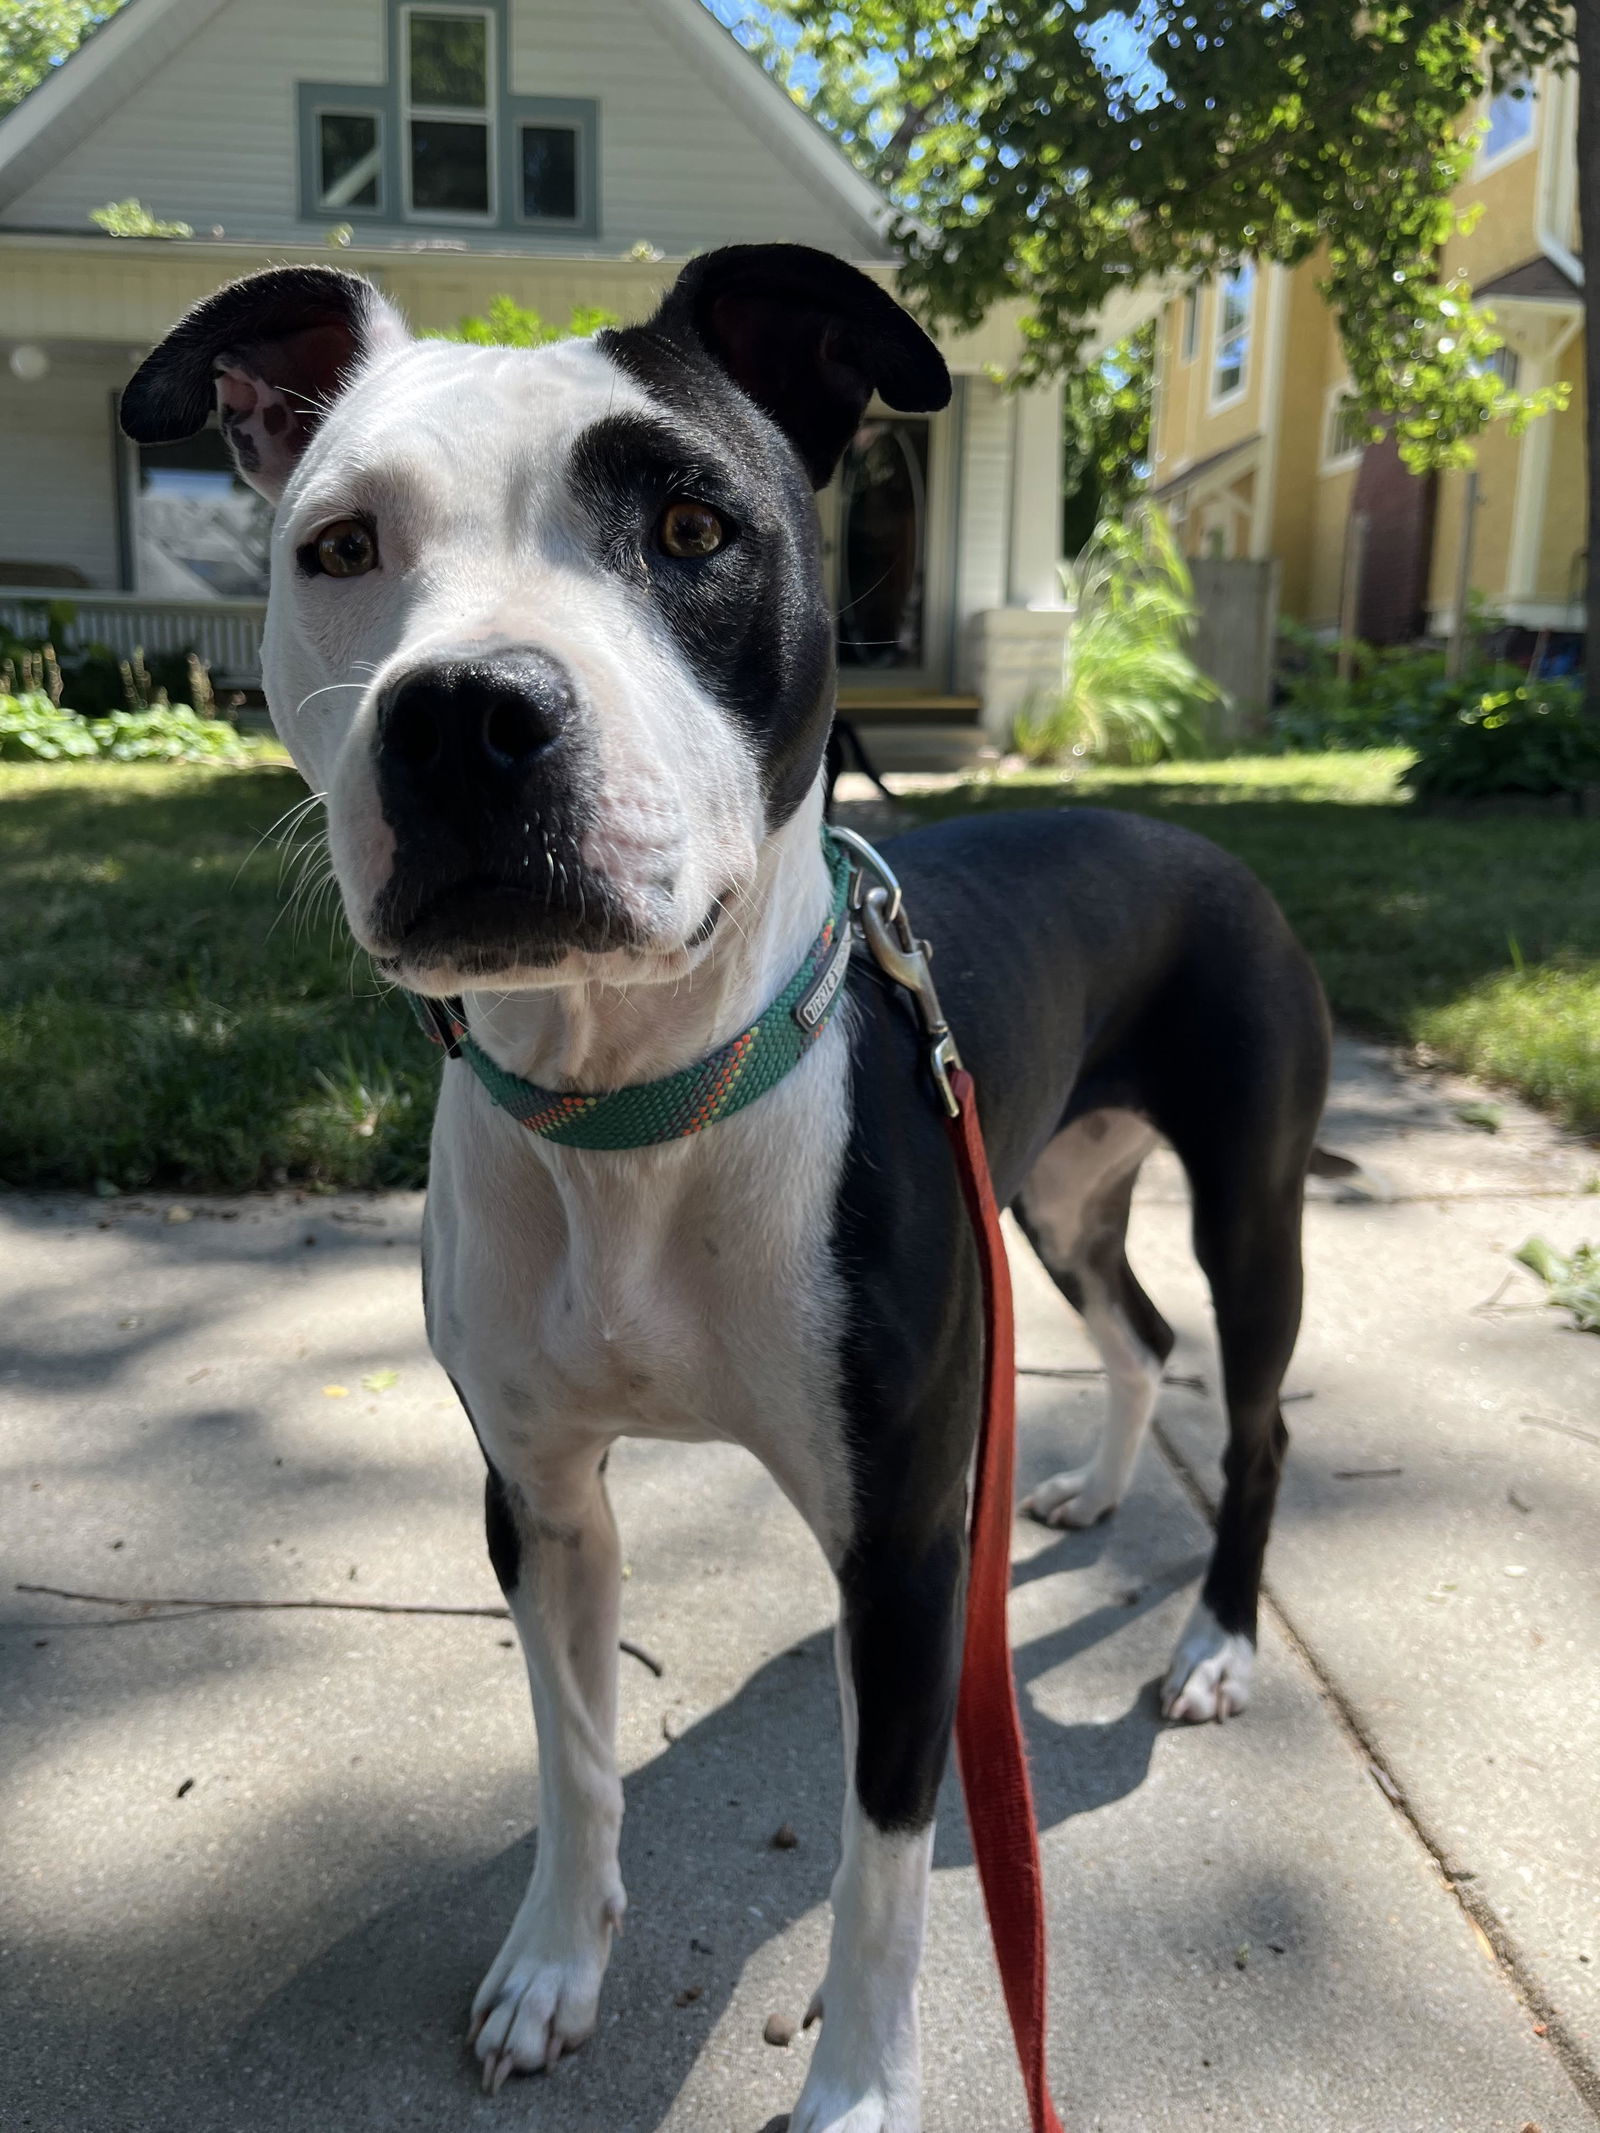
(506, 115)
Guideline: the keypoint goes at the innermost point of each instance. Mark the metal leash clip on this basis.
(880, 909)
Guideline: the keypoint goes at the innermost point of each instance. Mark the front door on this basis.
(887, 559)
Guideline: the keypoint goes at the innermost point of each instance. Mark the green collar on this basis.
(696, 1096)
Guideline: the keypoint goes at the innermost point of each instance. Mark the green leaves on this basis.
(1060, 153)
(508, 324)
(131, 218)
(1129, 691)
(1572, 1280)
(36, 35)
(1531, 738)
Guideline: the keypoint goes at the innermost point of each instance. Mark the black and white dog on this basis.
(548, 635)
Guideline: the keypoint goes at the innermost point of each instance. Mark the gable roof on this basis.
(91, 83)
(1539, 280)
(99, 77)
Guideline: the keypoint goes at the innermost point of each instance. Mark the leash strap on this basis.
(989, 1743)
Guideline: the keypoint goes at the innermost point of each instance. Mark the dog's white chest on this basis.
(680, 1292)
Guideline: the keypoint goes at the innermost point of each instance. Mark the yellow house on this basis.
(1256, 451)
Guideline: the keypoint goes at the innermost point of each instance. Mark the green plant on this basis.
(1533, 738)
(168, 733)
(1129, 691)
(1391, 696)
(1572, 1280)
(93, 678)
(131, 218)
(508, 324)
(34, 730)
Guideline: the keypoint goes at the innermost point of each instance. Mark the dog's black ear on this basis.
(808, 337)
(272, 353)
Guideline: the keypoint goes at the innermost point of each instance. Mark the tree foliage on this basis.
(36, 35)
(508, 324)
(1106, 409)
(1063, 150)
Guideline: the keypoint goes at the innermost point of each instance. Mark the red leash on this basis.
(989, 1745)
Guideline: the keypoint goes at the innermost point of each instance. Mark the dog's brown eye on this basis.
(690, 530)
(346, 549)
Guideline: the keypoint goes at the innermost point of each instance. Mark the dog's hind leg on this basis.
(553, 1543)
(1074, 1211)
(1245, 1136)
(1247, 1238)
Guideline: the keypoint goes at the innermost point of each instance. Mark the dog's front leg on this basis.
(898, 1650)
(553, 1542)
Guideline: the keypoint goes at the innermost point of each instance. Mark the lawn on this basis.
(169, 1020)
(1477, 938)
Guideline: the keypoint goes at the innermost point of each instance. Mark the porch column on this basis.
(1035, 543)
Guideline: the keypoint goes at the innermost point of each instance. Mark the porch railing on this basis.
(225, 633)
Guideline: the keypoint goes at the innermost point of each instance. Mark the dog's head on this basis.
(547, 626)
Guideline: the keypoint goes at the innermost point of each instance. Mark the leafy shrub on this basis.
(1129, 691)
(508, 324)
(1534, 738)
(1393, 696)
(34, 730)
(169, 733)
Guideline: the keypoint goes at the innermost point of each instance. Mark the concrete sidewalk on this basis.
(252, 1865)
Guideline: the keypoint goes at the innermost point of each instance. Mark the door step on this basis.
(903, 746)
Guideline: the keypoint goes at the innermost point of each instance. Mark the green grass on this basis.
(166, 1020)
(1478, 938)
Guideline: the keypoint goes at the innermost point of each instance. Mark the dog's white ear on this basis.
(808, 337)
(273, 351)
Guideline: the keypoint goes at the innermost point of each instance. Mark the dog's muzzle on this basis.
(486, 777)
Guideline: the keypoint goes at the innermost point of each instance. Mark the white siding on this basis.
(210, 138)
(58, 501)
(983, 530)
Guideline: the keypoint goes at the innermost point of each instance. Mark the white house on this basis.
(568, 156)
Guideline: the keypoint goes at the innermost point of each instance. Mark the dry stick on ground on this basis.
(352, 1607)
(1092, 1370)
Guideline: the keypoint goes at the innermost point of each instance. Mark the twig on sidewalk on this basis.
(143, 1605)
(1564, 1429)
(1049, 1370)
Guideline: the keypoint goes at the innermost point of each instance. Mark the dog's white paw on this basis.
(854, 2086)
(829, 2107)
(1210, 1672)
(1079, 1498)
(542, 1994)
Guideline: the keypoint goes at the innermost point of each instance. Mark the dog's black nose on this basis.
(485, 721)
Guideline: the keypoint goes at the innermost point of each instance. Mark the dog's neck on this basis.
(597, 1036)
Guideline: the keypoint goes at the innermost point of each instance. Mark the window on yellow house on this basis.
(1511, 119)
(1235, 301)
(1344, 435)
(1189, 332)
(1505, 364)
